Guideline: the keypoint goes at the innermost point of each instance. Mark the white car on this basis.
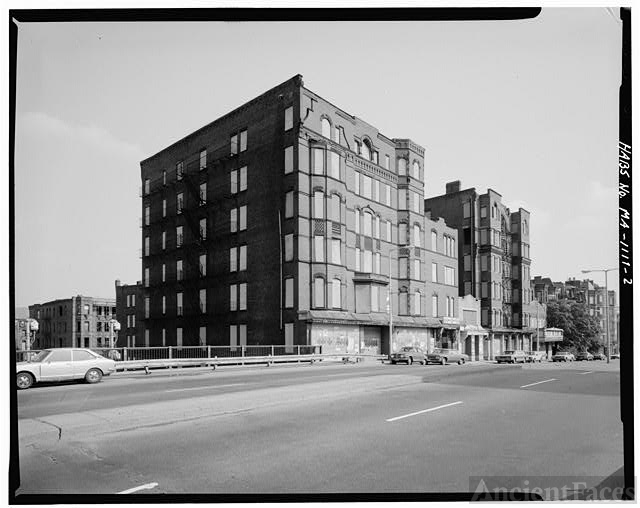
(60, 364)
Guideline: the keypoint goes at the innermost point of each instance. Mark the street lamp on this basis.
(606, 307)
(114, 326)
(32, 325)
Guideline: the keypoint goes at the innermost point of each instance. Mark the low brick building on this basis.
(130, 313)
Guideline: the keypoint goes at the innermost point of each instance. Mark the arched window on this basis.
(376, 229)
(366, 149)
(336, 294)
(434, 240)
(416, 235)
(368, 218)
(417, 310)
(318, 293)
(318, 204)
(415, 170)
(335, 207)
(326, 128)
(402, 166)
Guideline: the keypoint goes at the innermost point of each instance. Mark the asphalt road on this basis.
(324, 429)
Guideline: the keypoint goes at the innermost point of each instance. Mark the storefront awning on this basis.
(473, 330)
(376, 319)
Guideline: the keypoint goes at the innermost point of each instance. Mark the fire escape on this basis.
(507, 300)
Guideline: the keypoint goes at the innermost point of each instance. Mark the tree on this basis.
(581, 331)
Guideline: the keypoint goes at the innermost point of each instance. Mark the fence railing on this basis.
(127, 354)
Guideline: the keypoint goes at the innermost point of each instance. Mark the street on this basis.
(321, 429)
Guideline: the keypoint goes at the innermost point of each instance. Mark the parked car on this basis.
(443, 356)
(60, 364)
(615, 356)
(599, 356)
(563, 356)
(584, 355)
(408, 355)
(515, 356)
(535, 356)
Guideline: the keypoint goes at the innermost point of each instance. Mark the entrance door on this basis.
(370, 340)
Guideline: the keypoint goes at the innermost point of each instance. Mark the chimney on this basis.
(452, 187)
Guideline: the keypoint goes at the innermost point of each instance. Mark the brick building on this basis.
(79, 321)
(493, 261)
(130, 312)
(277, 224)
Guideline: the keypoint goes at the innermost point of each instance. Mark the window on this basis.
(243, 178)
(416, 269)
(243, 140)
(367, 261)
(179, 269)
(234, 181)
(203, 301)
(318, 250)
(243, 258)
(402, 267)
(357, 221)
(336, 299)
(357, 259)
(483, 212)
(288, 205)
(233, 335)
(164, 272)
(318, 292)
(234, 220)
(434, 306)
(179, 304)
(484, 293)
(146, 277)
(415, 170)
(164, 207)
(202, 264)
(203, 229)
(179, 202)
(376, 263)
(288, 160)
(203, 159)
(402, 199)
(366, 149)
(288, 247)
(318, 161)
(147, 215)
(335, 207)
(357, 183)
(59, 355)
(388, 231)
(288, 118)
(434, 272)
(318, 205)
(376, 190)
(374, 156)
(334, 161)
(234, 144)
(387, 195)
(164, 305)
(375, 298)
(402, 233)
(449, 276)
(202, 335)
(233, 297)
(326, 128)
(416, 202)
(416, 303)
(146, 186)
(288, 293)
(402, 166)
(202, 194)
(146, 245)
(288, 337)
(483, 262)
(386, 162)
(466, 209)
(416, 235)
(366, 186)
(243, 218)
(404, 301)
(233, 259)
(179, 167)
(146, 309)
(335, 251)
(376, 229)
(368, 218)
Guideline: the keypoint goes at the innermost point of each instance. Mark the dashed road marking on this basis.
(146, 486)
(539, 382)
(423, 411)
(588, 372)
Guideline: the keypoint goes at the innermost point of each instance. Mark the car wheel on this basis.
(461, 361)
(443, 361)
(24, 380)
(93, 376)
(423, 362)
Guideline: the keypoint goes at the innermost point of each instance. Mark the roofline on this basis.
(297, 77)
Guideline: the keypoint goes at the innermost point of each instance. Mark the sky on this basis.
(527, 108)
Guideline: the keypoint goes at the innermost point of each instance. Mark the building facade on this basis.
(280, 222)
(493, 262)
(130, 313)
(79, 321)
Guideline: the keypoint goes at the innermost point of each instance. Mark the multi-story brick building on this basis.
(493, 261)
(79, 321)
(279, 223)
(130, 312)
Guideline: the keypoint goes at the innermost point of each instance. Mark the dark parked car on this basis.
(443, 356)
(584, 355)
(408, 355)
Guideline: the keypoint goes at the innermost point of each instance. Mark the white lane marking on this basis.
(423, 411)
(146, 486)
(588, 372)
(204, 387)
(539, 382)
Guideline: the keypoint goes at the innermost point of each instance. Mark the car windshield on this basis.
(509, 352)
(407, 349)
(438, 351)
(41, 355)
